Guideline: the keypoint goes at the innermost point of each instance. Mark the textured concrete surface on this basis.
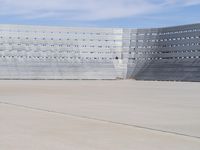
(170, 53)
(108, 115)
(44, 52)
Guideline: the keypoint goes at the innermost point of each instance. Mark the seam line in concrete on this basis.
(101, 120)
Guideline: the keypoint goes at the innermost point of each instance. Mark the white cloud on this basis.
(191, 2)
(85, 9)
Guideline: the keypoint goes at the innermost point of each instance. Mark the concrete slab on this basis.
(23, 129)
(99, 115)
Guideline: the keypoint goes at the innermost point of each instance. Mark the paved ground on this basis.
(99, 115)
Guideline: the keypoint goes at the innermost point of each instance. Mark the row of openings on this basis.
(59, 32)
(170, 45)
(159, 58)
(167, 39)
(164, 52)
(61, 57)
(168, 33)
(60, 39)
(59, 45)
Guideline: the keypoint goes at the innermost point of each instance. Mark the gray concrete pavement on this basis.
(99, 115)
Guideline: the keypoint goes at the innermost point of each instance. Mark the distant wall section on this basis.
(171, 53)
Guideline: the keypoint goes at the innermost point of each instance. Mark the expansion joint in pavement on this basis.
(101, 120)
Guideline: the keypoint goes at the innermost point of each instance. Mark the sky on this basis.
(100, 13)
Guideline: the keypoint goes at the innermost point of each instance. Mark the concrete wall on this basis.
(39, 52)
(171, 53)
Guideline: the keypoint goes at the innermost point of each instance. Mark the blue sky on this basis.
(100, 13)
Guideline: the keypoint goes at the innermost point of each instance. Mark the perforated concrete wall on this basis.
(40, 52)
(36, 52)
(171, 53)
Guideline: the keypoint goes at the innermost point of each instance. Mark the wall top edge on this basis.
(96, 28)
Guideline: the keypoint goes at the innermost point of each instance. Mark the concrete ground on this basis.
(99, 115)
